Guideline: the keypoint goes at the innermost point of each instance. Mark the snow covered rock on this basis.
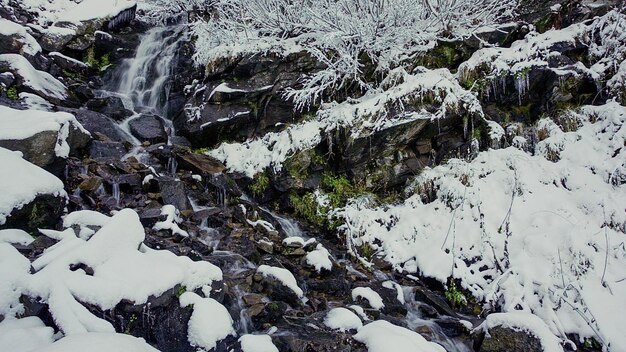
(96, 271)
(382, 336)
(43, 137)
(14, 39)
(257, 343)
(31, 80)
(24, 335)
(210, 321)
(279, 284)
(99, 342)
(31, 197)
(516, 332)
(342, 319)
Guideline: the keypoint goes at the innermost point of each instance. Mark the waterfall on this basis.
(145, 79)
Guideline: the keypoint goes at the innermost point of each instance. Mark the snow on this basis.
(39, 81)
(99, 342)
(342, 319)
(293, 240)
(371, 296)
(171, 222)
(94, 9)
(24, 335)
(382, 336)
(257, 343)
(21, 182)
(282, 275)
(271, 150)
(319, 259)
(524, 322)
(34, 102)
(210, 321)
(22, 124)
(86, 221)
(521, 230)
(15, 236)
(29, 44)
(108, 253)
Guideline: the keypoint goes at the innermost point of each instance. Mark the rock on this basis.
(90, 184)
(244, 99)
(201, 163)
(275, 290)
(429, 297)
(506, 339)
(97, 124)
(107, 150)
(42, 212)
(56, 38)
(6, 79)
(14, 39)
(148, 128)
(69, 64)
(112, 107)
(30, 80)
(44, 142)
(173, 192)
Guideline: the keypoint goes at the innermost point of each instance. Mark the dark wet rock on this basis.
(43, 212)
(506, 339)
(201, 163)
(112, 107)
(68, 64)
(243, 98)
(105, 150)
(97, 124)
(161, 321)
(427, 296)
(148, 128)
(173, 192)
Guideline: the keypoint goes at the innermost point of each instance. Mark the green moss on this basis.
(273, 307)
(306, 207)
(96, 63)
(180, 291)
(71, 74)
(297, 166)
(317, 158)
(12, 93)
(260, 184)
(455, 297)
(200, 150)
(339, 189)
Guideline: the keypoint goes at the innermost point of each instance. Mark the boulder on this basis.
(31, 197)
(14, 39)
(107, 150)
(506, 339)
(112, 107)
(173, 192)
(30, 80)
(43, 137)
(99, 125)
(56, 38)
(148, 128)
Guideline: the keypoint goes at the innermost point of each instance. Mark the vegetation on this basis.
(454, 296)
(260, 184)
